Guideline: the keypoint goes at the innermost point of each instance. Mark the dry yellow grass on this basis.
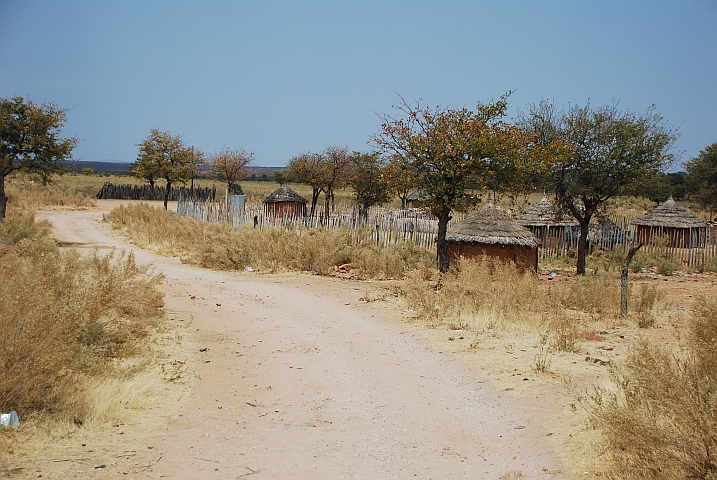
(69, 323)
(658, 419)
(30, 196)
(271, 249)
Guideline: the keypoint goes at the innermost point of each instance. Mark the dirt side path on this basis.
(294, 378)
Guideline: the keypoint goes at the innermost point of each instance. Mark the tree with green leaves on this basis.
(450, 149)
(336, 167)
(369, 182)
(662, 186)
(31, 141)
(702, 177)
(162, 155)
(230, 165)
(306, 168)
(401, 176)
(607, 153)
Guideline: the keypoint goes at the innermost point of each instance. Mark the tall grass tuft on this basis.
(660, 419)
(66, 318)
(272, 249)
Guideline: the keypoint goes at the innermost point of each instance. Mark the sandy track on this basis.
(299, 380)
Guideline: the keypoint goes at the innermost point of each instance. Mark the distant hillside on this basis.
(100, 167)
(123, 168)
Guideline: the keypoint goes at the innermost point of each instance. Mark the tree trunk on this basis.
(623, 278)
(444, 261)
(363, 213)
(166, 194)
(403, 202)
(583, 246)
(3, 198)
(327, 203)
(314, 199)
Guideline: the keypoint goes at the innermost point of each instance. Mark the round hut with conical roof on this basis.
(672, 221)
(494, 234)
(416, 199)
(542, 219)
(285, 202)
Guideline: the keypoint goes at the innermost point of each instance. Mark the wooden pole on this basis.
(623, 278)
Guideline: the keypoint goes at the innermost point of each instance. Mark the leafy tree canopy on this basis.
(608, 152)
(162, 155)
(230, 165)
(450, 148)
(702, 177)
(368, 181)
(31, 141)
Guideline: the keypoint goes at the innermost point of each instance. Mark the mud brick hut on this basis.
(672, 221)
(284, 202)
(493, 234)
(541, 219)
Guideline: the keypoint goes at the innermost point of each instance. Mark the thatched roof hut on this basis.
(563, 232)
(416, 199)
(604, 232)
(491, 232)
(671, 220)
(544, 214)
(285, 201)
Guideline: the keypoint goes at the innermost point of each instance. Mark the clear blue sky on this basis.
(286, 77)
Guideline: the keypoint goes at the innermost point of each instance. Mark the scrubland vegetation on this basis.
(25, 196)
(74, 327)
(658, 419)
(66, 317)
(269, 249)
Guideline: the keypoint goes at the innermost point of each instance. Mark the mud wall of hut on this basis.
(525, 258)
(679, 237)
(288, 209)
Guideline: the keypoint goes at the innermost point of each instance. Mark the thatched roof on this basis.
(418, 195)
(492, 226)
(670, 215)
(544, 214)
(284, 194)
(602, 229)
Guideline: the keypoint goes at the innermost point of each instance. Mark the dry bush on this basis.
(270, 249)
(27, 196)
(564, 333)
(491, 294)
(22, 226)
(660, 419)
(474, 290)
(596, 295)
(66, 318)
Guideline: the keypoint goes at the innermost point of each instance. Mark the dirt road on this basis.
(293, 377)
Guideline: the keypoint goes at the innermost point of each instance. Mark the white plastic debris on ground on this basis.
(10, 419)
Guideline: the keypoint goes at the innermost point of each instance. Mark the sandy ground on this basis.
(292, 376)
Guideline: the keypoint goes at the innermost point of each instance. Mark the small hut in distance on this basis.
(492, 233)
(285, 202)
(541, 220)
(417, 199)
(672, 221)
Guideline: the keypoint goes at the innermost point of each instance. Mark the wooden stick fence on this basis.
(146, 192)
(382, 227)
(386, 227)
